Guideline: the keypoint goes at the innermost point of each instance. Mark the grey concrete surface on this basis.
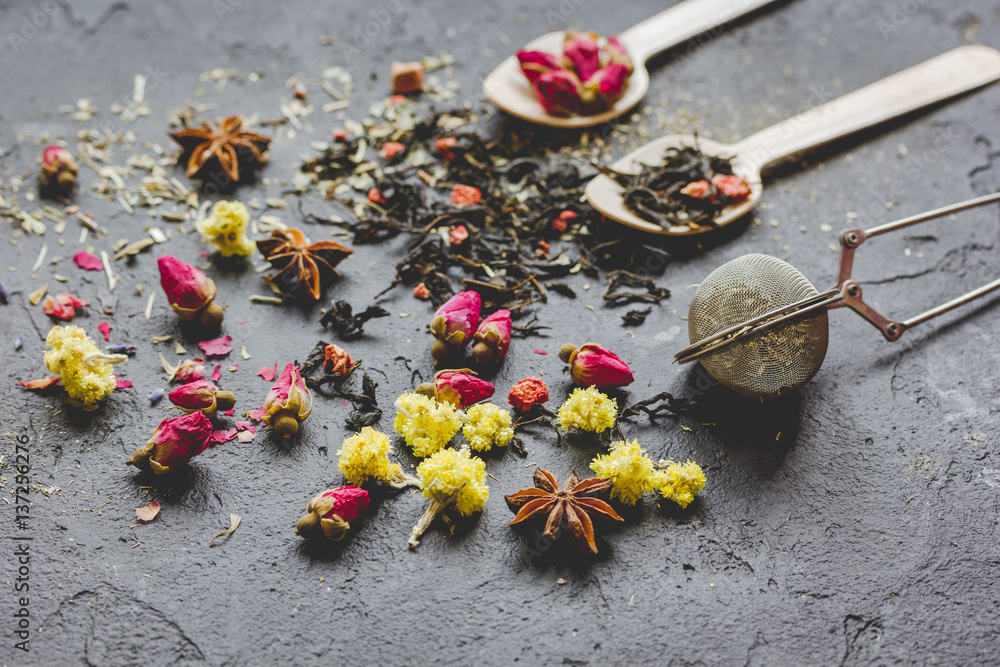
(854, 523)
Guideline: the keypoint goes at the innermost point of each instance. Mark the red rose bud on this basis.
(593, 366)
(188, 371)
(331, 512)
(63, 306)
(732, 188)
(455, 322)
(559, 92)
(175, 442)
(190, 292)
(492, 338)
(562, 222)
(616, 53)
(607, 85)
(696, 189)
(58, 175)
(460, 388)
(528, 393)
(337, 362)
(288, 403)
(581, 49)
(536, 63)
(465, 195)
(202, 395)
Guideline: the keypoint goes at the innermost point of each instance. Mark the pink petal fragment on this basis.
(230, 412)
(105, 330)
(258, 414)
(147, 513)
(219, 347)
(537, 351)
(88, 262)
(222, 435)
(216, 374)
(41, 383)
(122, 384)
(268, 373)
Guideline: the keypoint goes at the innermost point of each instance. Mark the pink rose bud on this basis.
(190, 292)
(559, 92)
(608, 84)
(460, 388)
(288, 403)
(732, 188)
(188, 371)
(63, 306)
(331, 512)
(536, 63)
(583, 52)
(175, 442)
(617, 54)
(593, 366)
(58, 175)
(202, 395)
(455, 322)
(492, 338)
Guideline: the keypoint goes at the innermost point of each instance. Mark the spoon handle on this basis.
(681, 22)
(949, 74)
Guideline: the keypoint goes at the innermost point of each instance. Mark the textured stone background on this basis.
(854, 523)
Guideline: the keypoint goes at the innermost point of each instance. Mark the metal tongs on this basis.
(847, 292)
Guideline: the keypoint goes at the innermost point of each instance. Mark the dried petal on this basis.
(234, 523)
(88, 262)
(147, 513)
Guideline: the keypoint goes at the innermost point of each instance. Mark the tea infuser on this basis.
(760, 327)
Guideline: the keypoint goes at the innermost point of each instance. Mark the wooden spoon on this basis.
(508, 88)
(947, 75)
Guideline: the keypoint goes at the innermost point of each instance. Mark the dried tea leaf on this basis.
(234, 523)
(147, 513)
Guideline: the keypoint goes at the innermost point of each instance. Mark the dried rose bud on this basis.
(331, 512)
(460, 388)
(616, 53)
(444, 147)
(58, 175)
(458, 235)
(188, 371)
(202, 395)
(62, 306)
(528, 393)
(336, 361)
(696, 189)
(288, 403)
(732, 188)
(175, 441)
(190, 292)
(492, 338)
(536, 63)
(455, 322)
(607, 85)
(559, 92)
(583, 51)
(593, 366)
(375, 196)
(465, 195)
(562, 222)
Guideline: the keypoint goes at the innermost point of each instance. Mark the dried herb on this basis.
(226, 146)
(303, 267)
(575, 502)
(365, 412)
(345, 323)
(624, 287)
(682, 191)
(636, 317)
(662, 403)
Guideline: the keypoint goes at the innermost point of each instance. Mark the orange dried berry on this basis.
(375, 196)
(391, 149)
(336, 361)
(561, 223)
(421, 291)
(528, 393)
(466, 195)
(444, 147)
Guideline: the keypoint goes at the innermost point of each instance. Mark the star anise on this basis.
(227, 144)
(302, 265)
(575, 501)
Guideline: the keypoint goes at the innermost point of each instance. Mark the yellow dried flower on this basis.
(365, 456)
(679, 482)
(588, 410)
(450, 477)
(83, 369)
(425, 424)
(487, 425)
(226, 229)
(631, 472)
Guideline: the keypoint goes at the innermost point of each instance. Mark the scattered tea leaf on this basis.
(234, 523)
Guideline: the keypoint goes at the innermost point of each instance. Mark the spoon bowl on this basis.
(508, 88)
(947, 75)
